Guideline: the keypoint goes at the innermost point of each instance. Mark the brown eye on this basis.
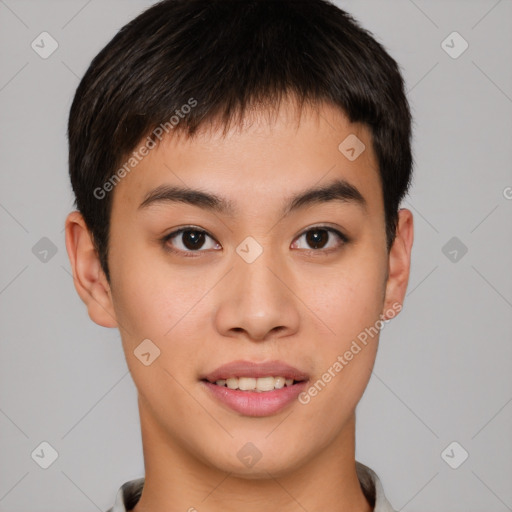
(193, 239)
(318, 238)
(187, 240)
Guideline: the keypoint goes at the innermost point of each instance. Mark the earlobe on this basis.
(399, 264)
(88, 276)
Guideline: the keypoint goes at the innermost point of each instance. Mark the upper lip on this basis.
(251, 369)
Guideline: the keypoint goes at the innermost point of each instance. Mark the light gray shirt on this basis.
(129, 493)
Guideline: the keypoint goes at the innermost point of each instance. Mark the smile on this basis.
(261, 384)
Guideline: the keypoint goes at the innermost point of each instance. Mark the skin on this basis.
(298, 306)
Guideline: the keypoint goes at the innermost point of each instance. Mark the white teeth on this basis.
(246, 383)
(252, 384)
(279, 382)
(268, 383)
(232, 383)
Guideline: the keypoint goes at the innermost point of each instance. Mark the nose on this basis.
(258, 302)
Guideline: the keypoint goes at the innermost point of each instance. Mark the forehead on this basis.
(269, 156)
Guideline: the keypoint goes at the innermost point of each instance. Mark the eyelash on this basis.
(344, 240)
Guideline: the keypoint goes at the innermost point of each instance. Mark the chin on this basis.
(265, 464)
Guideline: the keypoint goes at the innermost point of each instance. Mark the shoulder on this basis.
(128, 495)
(372, 488)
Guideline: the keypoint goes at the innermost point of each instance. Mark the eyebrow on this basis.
(338, 190)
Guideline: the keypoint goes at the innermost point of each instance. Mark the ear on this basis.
(88, 276)
(399, 264)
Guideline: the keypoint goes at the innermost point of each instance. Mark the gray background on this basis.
(443, 368)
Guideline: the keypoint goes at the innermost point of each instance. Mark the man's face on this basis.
(251, 284)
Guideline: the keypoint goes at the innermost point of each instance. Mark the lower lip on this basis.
(253, 403)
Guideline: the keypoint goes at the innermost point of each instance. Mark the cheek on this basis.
(167, 307)
(149, 298)
(150, 307)
(347, 306)
(346, 300)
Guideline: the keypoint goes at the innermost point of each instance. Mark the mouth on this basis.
(258, 385)
(255, 389)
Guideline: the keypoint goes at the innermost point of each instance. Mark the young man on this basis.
(238, 168)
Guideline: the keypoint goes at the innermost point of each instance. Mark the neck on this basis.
(176, 480)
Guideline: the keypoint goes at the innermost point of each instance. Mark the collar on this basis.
(129, 493)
